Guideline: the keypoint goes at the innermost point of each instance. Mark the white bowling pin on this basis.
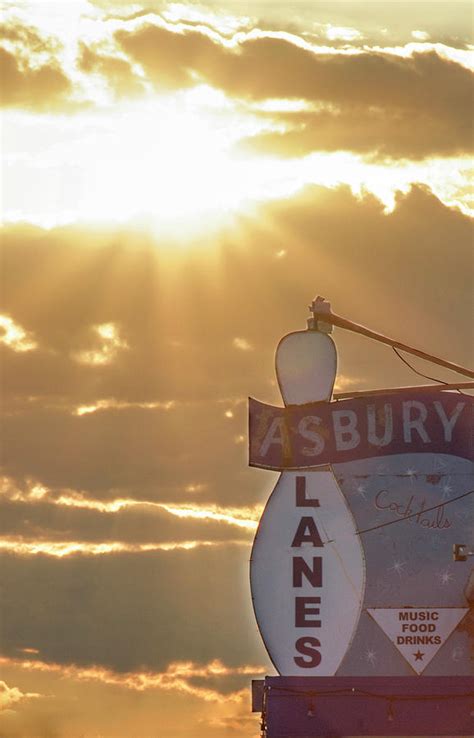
(307, 568)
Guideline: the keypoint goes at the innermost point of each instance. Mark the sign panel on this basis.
(307, 568)
(410, 510)
(324, 707)
(418, 633)
(304, 436)
(359, 531)
(307, 575)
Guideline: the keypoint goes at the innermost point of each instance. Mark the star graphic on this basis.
(361, 490)
(398, 567)
(371, 656)
(447, 489)
(418, 655)
(439, 465)
(411, 473)
(445, 577)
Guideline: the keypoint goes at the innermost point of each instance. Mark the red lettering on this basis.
(313, 575)
(303, 609)
(308, 646)
(307, 532)
(301, 499)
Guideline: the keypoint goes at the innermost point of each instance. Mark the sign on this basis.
(373, 494)
(307, 574)
(304, 436)
(319, 707)
(418, 633)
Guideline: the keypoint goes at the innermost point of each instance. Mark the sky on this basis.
(179, 181)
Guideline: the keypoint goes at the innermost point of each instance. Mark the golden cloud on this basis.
(45, 87)
(14, 336)
(241, 517)
(32, 493)
(19, 546)
(176, 678)
(408, 101)
(364, 258)
(117, 71)
(242, 344)
(420, 100)
(12, 696)
(109, 344)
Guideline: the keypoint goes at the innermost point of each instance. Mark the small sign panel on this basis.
(304, 436)
(418, 633)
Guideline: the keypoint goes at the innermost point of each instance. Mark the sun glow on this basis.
(174, 166)
(123, 146)
(157, 163)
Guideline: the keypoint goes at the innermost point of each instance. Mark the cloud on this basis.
(242, 344)
(42, 88)
(413, 108)
(20, 547)
(420, 35)
(382, 132)
(342, 33)
(177, 677)
(36, 520)
(10, 697)
(171, 59)
(264, 65)
(344, 383)
(14, 336)
(409, 101)
(110, 344)
(119, 405)
(421, 100)
(233, 516)
(346, 247)
(115, 70)
(131, 612)
(79, 706)
(149, 454)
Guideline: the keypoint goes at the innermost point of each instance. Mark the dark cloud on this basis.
(32, 78)
(28, 37)
(131, 612)
(412, 106)
(376, 102)
(378, 131)
(43, 88)
(145, 454)
(378, 22)
(36, 521)
(115, 70)
(402, 107)
(171, 59)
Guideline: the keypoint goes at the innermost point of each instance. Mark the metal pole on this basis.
(321, 311)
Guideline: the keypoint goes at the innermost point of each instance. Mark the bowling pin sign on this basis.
(351, 570)
(307, 566)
